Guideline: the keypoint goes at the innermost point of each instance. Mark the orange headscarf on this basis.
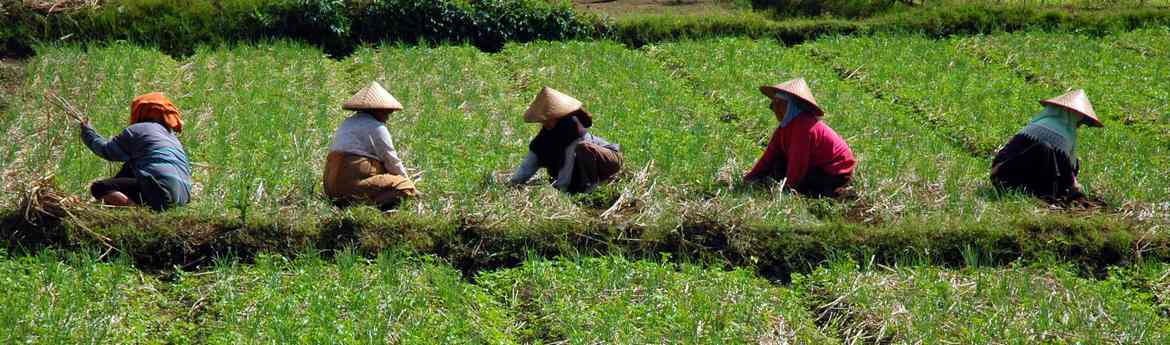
(155, 107)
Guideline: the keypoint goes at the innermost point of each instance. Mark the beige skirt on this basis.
(353, 179)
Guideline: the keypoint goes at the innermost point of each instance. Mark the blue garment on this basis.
(1056, 127)
(796, 107)
(155, 157)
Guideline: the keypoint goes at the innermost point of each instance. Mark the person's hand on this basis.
(83, 121)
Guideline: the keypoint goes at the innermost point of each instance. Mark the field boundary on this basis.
(1093, 240)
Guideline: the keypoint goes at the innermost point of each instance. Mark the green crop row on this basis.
(1021, 305)
(393, 298)
(935, 20)
(870, 8)
(1073, 61)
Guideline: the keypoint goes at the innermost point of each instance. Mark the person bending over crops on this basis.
(156, 171)
(362, 165)
(804, 152)
(1042, 158)
(577, 160)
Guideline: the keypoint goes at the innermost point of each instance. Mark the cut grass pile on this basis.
(922, 115)
(69, 298)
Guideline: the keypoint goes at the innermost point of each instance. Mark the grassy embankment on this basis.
(923, 123)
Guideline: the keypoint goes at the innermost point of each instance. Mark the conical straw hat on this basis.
(372, 97)
(1076, 101)
(550, 104)
(797, 87)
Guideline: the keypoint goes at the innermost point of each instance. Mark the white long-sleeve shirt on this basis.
(363, 135)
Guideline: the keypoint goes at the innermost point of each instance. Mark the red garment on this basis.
(806, 143)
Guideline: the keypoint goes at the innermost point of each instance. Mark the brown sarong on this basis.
(593, 164)
(352, 179)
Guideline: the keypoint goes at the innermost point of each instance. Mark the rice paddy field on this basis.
(678, 250)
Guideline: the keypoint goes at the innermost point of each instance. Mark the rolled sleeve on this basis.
(527, 168)
(384, 147)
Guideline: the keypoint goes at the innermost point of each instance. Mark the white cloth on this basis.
(363, 135)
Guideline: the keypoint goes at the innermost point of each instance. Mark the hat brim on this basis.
(361, 108)
(1093, 121)
(770, 92)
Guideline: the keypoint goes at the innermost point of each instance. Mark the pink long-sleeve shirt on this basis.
(805, 143)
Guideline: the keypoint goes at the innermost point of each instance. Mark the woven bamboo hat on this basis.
(372, 97)
(797, 87)
(550, 104)
(1077, 102)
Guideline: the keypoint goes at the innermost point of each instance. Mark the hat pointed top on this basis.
(797, 87)
(551, 104)
(372, 97)
(1078, 102)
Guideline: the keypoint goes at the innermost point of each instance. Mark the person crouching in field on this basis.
(156, 171)
(362, 165)
(564, 146)
(804, 151)
(1042, 159)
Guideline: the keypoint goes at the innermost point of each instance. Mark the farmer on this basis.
(804, 152)
(1042, 158)
(156, 171)
(362, 166)
(577, 160)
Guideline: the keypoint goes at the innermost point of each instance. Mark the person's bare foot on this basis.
(117, 199)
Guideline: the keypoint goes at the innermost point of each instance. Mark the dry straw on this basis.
(65, 106)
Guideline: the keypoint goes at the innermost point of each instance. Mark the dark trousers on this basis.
(817, 183)
(1034, 167)
(141, 190)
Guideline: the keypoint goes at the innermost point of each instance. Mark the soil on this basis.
(11, 73)
(618, 8)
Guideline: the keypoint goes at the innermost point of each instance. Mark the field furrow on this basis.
(1100, 66)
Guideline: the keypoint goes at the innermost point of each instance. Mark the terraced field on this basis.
(943, 256)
